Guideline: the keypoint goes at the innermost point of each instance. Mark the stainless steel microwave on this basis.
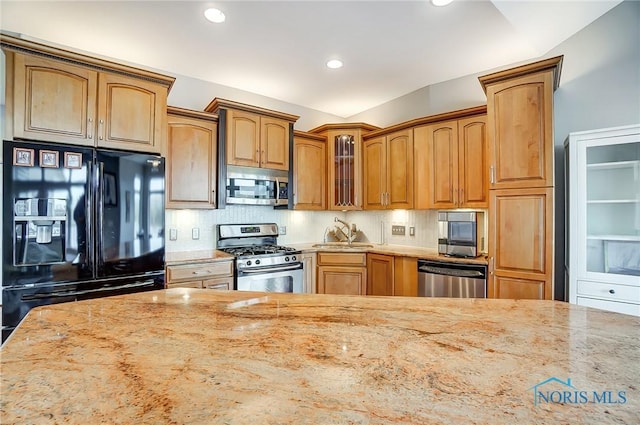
(257, 186)
(460, 233)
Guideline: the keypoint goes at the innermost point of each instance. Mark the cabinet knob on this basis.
(612, 291)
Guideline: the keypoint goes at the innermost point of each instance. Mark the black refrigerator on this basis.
(78, 223)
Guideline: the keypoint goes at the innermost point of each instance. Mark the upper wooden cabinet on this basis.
(253, 136)
(191, 159)
(520, 124)
(309, 171)
(60, 96)
(344, 164)
(453, 164)
(388, 171)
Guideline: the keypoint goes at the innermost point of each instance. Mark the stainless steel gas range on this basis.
(261, 264)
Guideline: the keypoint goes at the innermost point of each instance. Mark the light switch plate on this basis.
(398, 230)
(195, 233)
(173, 234)
(412, 231)
(282, 230)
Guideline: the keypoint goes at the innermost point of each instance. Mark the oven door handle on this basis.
(271, 269)
(63, 294)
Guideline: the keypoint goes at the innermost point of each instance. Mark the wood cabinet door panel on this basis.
(341, 280)
(375, 173)
(443, 154)
(511, 288)
(520, 124)
(54, 101)
(224, 284)
(309, 175)
(473, 171)
(422, 168)
(521, 235)
(380, 274)
(243, 138)
(130, 113)
(399, 167)
(335, 258)
(274, 143)
(191, 163)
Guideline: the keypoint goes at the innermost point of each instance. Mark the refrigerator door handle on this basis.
(89, 223)
(100, 217)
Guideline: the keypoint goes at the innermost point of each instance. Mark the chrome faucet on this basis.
(350, 234)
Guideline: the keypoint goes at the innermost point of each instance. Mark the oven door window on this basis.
(288, 281)
(462, 233)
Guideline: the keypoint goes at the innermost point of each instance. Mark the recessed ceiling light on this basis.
(334, 64)
(440, 2)
(214, 15)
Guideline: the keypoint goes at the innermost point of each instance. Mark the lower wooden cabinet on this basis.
(521, 244)
(342, 273)
(380, 274)
(208, 275)
(392, 275)
(309, 262)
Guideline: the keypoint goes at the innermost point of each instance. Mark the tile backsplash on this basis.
(301, 226)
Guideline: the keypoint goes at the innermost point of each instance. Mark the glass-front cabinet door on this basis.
(609, 209)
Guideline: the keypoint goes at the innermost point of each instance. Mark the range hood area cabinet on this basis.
(388, 171)
(521, 191)
(253, 136)
(309, 171)
(451, 162)
(344, 163)
(56, 95)
(191, 165)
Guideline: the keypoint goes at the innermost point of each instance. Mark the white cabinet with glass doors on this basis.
(603, 218)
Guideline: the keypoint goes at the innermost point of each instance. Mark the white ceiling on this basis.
(278, 48)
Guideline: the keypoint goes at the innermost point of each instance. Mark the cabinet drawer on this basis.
(609, 291)
(199, 271)
(336, 258)
(224, 283)
(617, 307)
(189, 284)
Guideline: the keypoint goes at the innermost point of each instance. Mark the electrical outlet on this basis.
(195, 233)
(173, 234)
(398, 230)
(282, 230)
(412, 231)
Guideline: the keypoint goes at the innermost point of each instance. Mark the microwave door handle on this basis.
(277, 190)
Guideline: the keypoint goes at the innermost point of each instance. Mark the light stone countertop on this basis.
(189, 257)
(397, 250)
(189, 356)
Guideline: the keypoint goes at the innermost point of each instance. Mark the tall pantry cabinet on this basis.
(521, 204)
(603, 218)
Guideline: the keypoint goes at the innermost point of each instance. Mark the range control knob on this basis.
(286, 258)
(257, 262)
(248, 262)
(293, 258)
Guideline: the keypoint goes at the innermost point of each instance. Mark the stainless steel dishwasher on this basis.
(452, 280)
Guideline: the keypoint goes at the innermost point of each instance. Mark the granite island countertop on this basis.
(189, 356)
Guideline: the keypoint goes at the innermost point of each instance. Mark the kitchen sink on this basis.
(343, 245)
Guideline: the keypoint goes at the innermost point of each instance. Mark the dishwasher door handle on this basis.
(451, 272)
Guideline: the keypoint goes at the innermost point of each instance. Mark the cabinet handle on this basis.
(90, 128)
(100, 129)
(382, 198)
(461, 198)
(611, 291)
(455, 196)
(491, 175)
(491, 270)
